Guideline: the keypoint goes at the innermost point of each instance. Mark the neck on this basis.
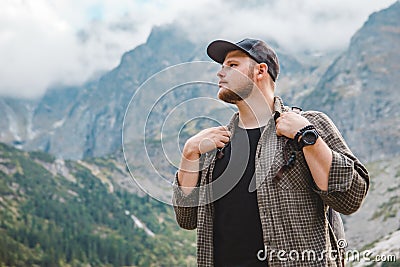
(256, 110)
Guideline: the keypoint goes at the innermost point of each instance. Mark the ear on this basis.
(262, 70)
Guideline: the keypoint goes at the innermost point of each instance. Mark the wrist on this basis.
(307, 136)
(190, 152)
(300, 132)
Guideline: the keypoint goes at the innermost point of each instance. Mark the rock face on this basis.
(360, 89)
(379, 214)
(357, 90)
(86, 121)
(77, 122)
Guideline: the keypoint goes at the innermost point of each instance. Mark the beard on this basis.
(229, 96)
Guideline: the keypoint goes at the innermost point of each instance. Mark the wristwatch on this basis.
(308, 136)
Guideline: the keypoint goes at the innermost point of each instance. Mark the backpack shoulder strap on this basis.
(336, 232)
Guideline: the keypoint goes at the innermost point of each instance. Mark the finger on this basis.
(221, 138)
(287, 113)
(222, 128)
(220, 144)
(280, 122)
(283, 116)
(226, 133)
(225, 139)
(278, 132)
(278, 129)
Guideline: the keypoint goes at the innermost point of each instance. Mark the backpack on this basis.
(337, 227)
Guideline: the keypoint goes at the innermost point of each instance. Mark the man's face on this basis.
(236, 77)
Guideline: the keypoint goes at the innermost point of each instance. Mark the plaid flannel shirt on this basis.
(292, 209)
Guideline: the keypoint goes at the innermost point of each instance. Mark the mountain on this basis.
(85, 121)
(379, 214)
(82, 213)
(360, 89)
(76, 122)
(384, 252)
(359, 92)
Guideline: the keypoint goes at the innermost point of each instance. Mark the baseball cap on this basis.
(256, 49)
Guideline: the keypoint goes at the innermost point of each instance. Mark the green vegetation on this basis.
(44, 157)
(47, 220)
(388, 209)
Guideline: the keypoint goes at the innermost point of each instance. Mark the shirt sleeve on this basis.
(185, 206)
(348, 179)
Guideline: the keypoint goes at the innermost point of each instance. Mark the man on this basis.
(271, 210)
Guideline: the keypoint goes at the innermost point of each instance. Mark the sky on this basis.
(44, 43)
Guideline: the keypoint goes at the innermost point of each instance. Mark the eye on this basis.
(233, 65)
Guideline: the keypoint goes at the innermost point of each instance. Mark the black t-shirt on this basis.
(237, 225)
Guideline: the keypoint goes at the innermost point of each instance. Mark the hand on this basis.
(289, 123)
(205, 141)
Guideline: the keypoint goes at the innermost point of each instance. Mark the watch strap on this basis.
(300, 133)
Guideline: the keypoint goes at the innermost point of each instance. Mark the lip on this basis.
(221, 83)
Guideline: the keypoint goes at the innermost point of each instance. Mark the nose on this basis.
(221, 73)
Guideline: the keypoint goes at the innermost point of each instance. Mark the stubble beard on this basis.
(229, 96)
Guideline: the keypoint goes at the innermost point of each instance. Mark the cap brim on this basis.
(218, 49)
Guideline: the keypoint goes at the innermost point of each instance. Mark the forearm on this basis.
(348, 184)
(205, 141)
(187, 181)
(186, 191)
(348, 179)
(319, 161)
(188, 173)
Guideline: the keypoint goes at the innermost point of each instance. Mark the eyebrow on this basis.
(231, 60)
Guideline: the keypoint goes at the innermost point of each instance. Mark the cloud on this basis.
(43, 43)
(46, 42)
(295, 25)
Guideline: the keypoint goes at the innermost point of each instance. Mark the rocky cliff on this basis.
(360, 89)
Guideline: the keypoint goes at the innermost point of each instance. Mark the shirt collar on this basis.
(278, 107)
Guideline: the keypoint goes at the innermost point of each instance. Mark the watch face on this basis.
(309, 137)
